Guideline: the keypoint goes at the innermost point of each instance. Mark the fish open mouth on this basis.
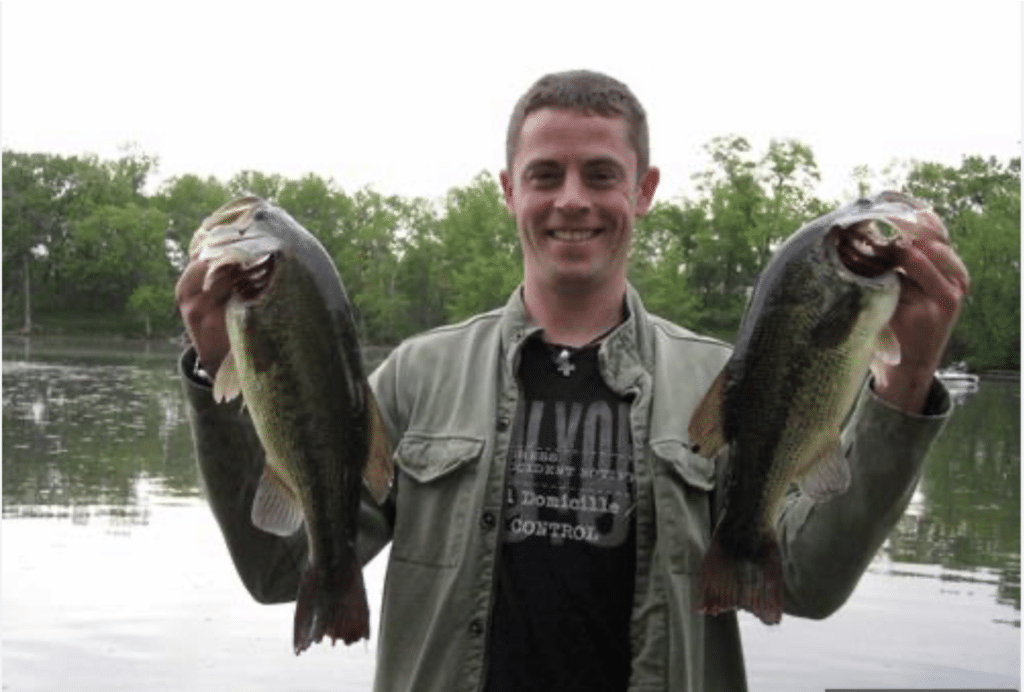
(252, 281)
(864, 250)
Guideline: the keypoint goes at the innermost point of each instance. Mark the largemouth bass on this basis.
(296, 362)
(816, 323)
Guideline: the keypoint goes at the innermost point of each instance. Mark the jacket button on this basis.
(487, 520)
(502, 424)
(476, 628)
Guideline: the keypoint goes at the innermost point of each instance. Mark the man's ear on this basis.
(506, 189)
(645, 194)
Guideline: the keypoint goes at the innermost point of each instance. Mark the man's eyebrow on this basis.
(603, 161)
(534, 163)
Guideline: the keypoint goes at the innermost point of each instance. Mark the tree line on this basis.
(83, 244)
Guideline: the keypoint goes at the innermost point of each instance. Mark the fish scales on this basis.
(302, 434)
(816, 320)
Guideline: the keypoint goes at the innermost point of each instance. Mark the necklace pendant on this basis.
(563, 363)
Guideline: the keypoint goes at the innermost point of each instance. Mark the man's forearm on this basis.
(828, 545)
(230, 460)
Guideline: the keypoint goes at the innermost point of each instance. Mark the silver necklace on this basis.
(562, 362)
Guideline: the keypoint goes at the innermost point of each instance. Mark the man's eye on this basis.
(544, 176)
(603, 176)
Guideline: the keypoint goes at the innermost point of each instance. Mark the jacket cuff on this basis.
(882, 426)
(197, 385)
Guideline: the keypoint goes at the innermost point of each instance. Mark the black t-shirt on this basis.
(566, 570)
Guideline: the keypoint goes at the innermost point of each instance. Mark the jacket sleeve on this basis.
(230, 459)
(826, 546)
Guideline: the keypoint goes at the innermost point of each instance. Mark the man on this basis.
(547, 516)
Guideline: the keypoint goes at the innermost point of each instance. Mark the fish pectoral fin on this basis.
(705, 430)
(275, 509)
(830, 475)
(380, 468)
(226, 386)
(887, 352)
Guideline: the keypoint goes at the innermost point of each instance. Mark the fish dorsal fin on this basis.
(275, 509)
(705, 430)
(380, 469)
(226, 386)
(830, 474)
(887, 352)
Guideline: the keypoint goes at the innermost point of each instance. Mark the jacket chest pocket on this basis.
(683, 494)
(435, 494)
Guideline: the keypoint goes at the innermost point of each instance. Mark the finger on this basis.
(190, 282)
(947, 262)
(920, 268)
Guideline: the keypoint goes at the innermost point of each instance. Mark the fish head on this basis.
(257, 241)
(237, 238)
(862, 238)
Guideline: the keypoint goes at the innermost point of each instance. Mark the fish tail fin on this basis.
(725, 582)
(338, 610)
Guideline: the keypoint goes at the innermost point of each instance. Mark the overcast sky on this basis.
(413, 98)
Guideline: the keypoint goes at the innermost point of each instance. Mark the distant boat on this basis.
(956, 377)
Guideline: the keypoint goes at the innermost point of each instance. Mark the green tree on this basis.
(480, 248)
(980, 204)
(44, 196)
(36, 201)
(186, 200)
(256, 183)
(979, 201)
(109, 254)
(663, 243)
(420, 278)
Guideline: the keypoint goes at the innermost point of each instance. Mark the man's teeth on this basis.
(574, 234)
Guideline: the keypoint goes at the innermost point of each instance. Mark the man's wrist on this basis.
(911, 392)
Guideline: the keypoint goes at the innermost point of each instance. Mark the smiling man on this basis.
(548, 517)
(575, 186)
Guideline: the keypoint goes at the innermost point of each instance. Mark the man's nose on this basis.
(572, 196)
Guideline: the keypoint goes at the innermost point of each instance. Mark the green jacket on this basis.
(448, 398)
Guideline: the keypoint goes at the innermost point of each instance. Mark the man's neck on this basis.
(574, 319)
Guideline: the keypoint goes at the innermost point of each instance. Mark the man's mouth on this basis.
(573, 235)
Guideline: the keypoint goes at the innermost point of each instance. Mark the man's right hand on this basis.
(203, 313)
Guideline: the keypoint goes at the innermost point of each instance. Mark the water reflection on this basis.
(90, 431)
(85, 438)
(965, 515)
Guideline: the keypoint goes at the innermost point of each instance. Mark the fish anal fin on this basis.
(226, 385)
(830, 474)
(705, 430)
(275, 509)
(380, 469)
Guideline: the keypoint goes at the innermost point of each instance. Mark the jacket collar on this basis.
(626, 354)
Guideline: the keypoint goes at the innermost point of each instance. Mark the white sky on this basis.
(413, 98)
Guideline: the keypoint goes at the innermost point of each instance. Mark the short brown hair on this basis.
(590, 92)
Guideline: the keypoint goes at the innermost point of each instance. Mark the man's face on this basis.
(573, 192)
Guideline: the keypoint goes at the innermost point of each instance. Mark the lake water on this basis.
(114, 575)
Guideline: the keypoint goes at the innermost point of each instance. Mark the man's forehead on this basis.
(550, 117)
(550, 132)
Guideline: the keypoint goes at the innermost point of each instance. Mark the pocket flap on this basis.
(693, 468)
(427, 458)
